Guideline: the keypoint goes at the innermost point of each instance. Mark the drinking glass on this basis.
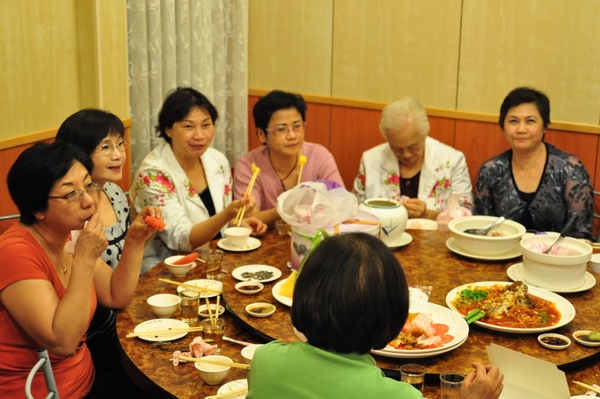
(414, 374)
(450, 385)
(214, 260)
(212, 332)
(190, 301)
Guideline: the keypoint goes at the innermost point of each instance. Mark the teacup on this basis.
(237, 236)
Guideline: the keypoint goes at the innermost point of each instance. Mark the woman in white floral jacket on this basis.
(188, 180)
(411, 167)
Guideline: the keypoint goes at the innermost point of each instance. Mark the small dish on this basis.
(249, 287)
(554, 341)
(260, 309)
(248, 352)
(581, 337)
(203, 310)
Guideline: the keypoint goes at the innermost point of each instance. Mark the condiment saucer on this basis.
(457, 249)
(515, 273)
(405, 239)
(251, 244)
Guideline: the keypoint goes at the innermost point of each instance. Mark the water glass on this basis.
(190, 302)
(414, 374)
(450, 385)
(282, 228)
(214, 260)
(213, 331)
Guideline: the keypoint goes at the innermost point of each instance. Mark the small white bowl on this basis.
(164, 305)
(213, 374)
(248, 352)
(260, 309)
(251, 287)
(580, 335)
(178, 270)
(237, 236)
(595, 263)
(554, 341)
(203, 312)
(508, 235)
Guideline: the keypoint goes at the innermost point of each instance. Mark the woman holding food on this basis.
(413, 168)
(285, 159)
(59, 196)
(553, 184)
(333, 361)
(188, 180)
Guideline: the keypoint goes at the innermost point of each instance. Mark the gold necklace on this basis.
(51, 250)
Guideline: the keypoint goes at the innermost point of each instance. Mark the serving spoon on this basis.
(485, 230)
(564, 231)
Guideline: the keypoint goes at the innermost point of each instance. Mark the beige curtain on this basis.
(197, 43)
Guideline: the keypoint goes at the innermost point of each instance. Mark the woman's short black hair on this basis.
(526, 95)
(34, 173)
(266, 106)
(351, 295)
(178, 104)
(88, 127)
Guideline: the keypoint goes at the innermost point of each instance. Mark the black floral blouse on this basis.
(564, 189)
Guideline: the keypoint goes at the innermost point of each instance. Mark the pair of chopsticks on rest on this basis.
(156, 333)
(190, 286)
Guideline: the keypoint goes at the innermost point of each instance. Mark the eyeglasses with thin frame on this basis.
(107, 149)
(281, 131)
(77, 195)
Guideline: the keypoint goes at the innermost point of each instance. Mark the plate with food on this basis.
(213, 287)
(261, 273)
(511, 307)
(430, 330)
(284, 299)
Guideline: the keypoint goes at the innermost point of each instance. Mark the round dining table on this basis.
(430, 260)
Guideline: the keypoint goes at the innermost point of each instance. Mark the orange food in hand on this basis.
(187, 259)
(155, 222)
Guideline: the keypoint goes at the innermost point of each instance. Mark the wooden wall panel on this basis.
(290, 45)
(551, 45)
(387, 49)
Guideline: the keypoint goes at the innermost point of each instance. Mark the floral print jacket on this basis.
(444, 173)
(160, 181)
(564, 189)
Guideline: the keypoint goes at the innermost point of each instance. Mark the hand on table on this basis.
(415, 208)
(256, 225)
(483, 383)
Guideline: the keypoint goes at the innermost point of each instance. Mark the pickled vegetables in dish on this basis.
(420, 332)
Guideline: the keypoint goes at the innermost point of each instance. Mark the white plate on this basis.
(459, 329)
(204, 283)
(405, 239)
(159, 325)
(515, 273)
(232, 386)
(286, 300)
(566, 309)
(421, 224)
(250, 245)
(457, 249)
(237, 272)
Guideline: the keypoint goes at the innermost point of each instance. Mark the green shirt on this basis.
(300, 370)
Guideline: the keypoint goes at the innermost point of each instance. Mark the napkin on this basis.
(528, 377)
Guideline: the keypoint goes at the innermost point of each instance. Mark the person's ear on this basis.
(262, 136)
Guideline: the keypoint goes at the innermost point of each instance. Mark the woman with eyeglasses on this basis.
(47, 295)
(190, 181)
(411, 167)
(101, 135)
(280, 123)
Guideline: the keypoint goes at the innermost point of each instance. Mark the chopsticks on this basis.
(235, 341)
(302, 160)
(217, 362)
(228, 394)
(242, 210)
(591, 388)
(153, 333)
(190, 286)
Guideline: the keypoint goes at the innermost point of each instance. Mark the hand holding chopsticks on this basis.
(217, 362)
(242, 210)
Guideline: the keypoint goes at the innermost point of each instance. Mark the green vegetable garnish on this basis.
(475, 315)
(594, 336)
(475, 295)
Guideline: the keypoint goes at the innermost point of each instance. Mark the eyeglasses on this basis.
(107, 149)
(77, 195)
(281, 131)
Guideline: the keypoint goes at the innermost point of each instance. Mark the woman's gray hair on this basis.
(398, 115)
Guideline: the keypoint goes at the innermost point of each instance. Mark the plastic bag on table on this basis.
(453, 211)
(316, 204)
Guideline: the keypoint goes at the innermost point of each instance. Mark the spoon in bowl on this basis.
(564, 231)
(485, 230)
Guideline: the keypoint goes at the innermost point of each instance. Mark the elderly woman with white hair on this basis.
(411, 167)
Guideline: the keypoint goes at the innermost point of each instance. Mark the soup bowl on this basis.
(500, 240)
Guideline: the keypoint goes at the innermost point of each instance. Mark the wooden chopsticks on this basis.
(217, 362)
(591, 388)
(228, 394)
(153, 333)
(189, 286)
(240, 215)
